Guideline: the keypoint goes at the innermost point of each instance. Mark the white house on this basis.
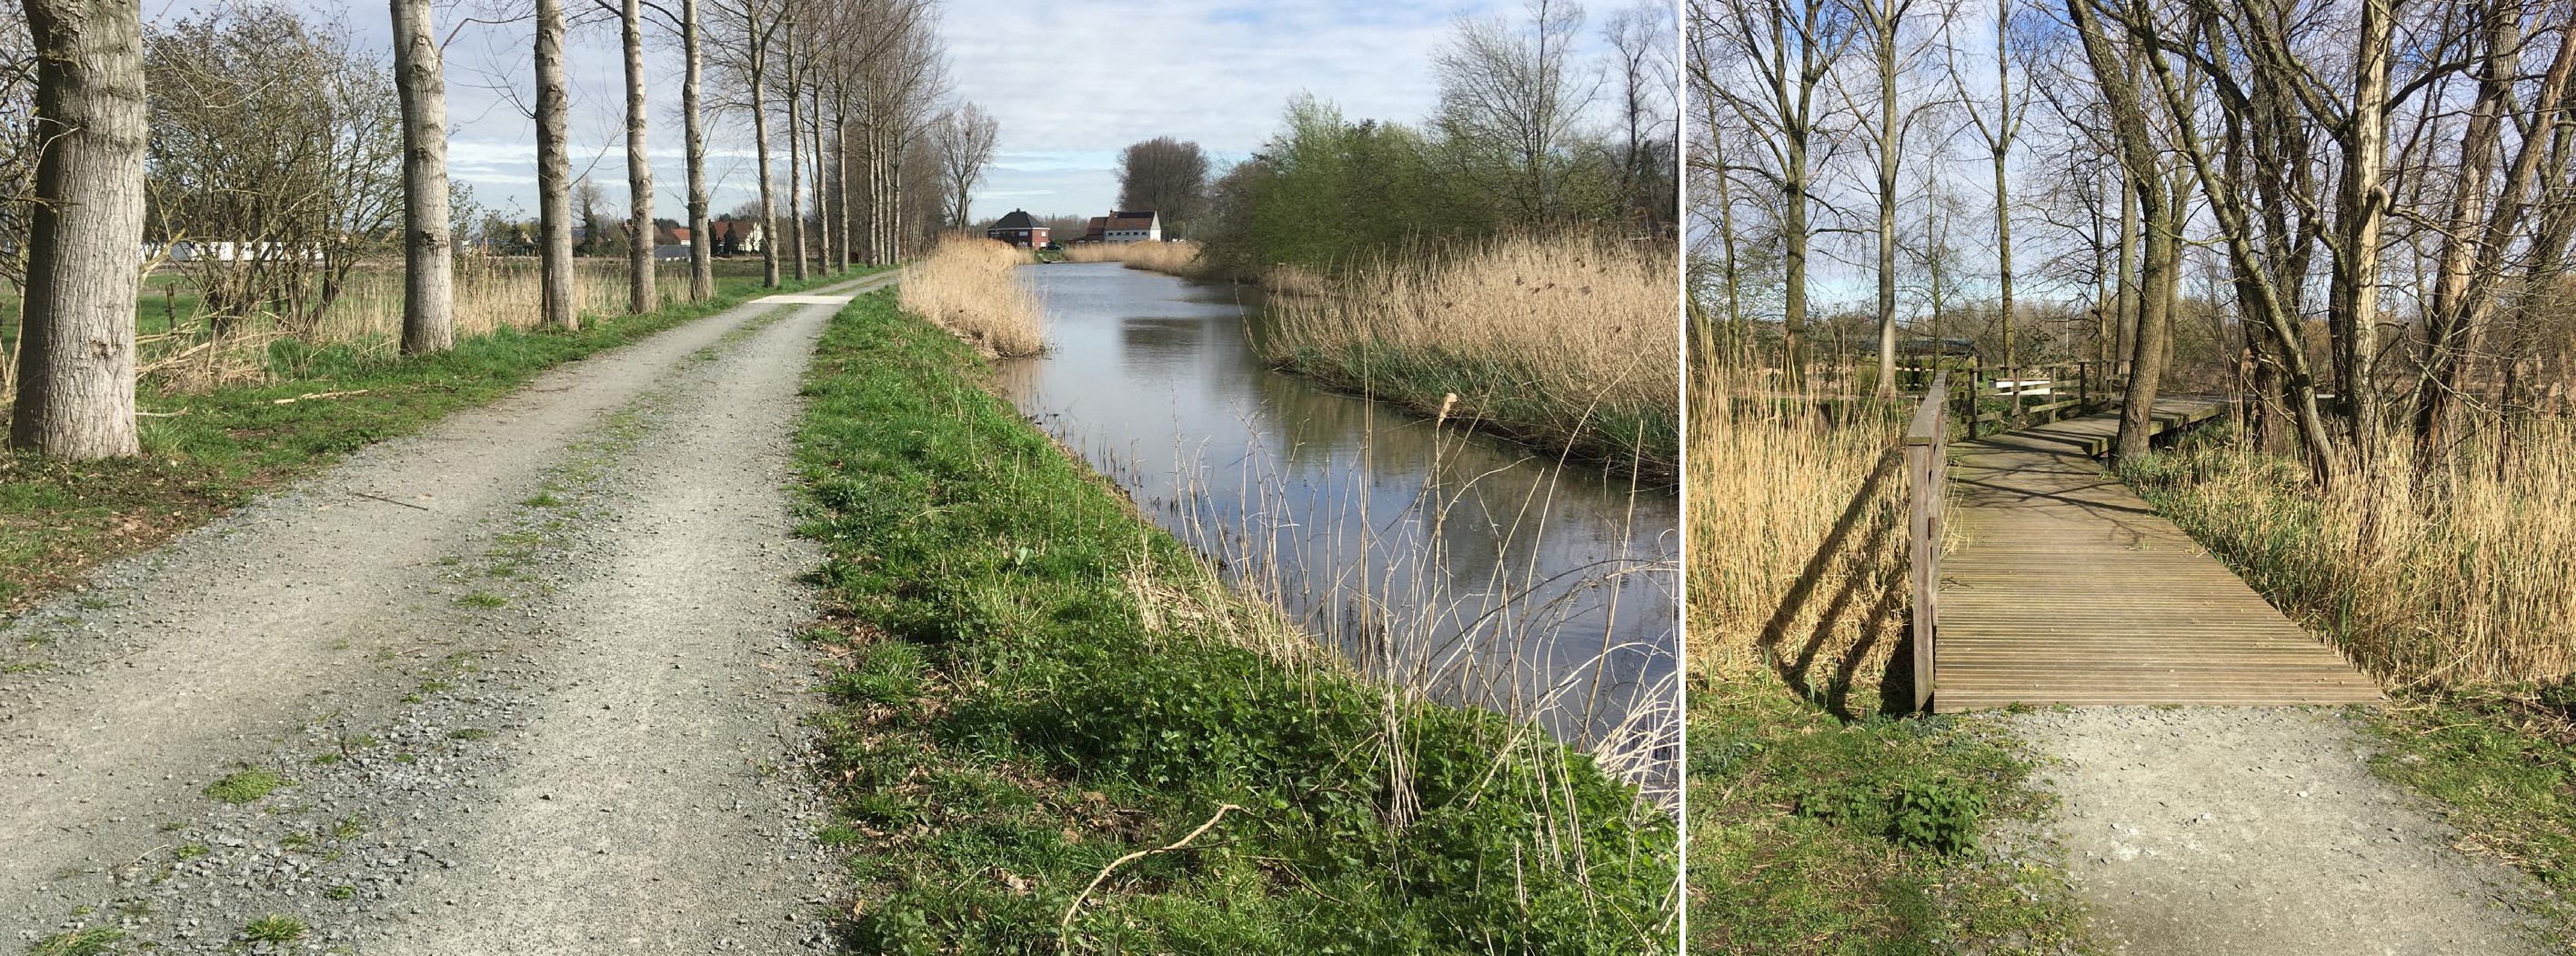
(1140, 226)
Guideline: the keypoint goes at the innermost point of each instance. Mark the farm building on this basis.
(1018, 229)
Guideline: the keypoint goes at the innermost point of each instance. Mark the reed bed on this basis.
(2464, 578)
(971, 287)
(1177, 258)
(1797, 538)
(1566, 342)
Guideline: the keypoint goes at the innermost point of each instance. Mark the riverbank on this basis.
(1030, 683)
(1565, 344)
(208, 451)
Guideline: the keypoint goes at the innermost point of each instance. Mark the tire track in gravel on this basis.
(282, 627)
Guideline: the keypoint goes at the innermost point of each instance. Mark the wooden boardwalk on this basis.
(2063, 587)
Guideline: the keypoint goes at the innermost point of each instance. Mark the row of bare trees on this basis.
(2378, 195)
(271, 142)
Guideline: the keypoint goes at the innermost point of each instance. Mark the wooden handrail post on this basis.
(1927, 471)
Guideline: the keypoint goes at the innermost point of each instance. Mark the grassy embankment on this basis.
(971, 287)
(1820, 822)
(2458, 593)
(210, 447)
(1031, 684)
(1565, 344)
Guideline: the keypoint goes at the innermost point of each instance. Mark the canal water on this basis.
(1474, 569)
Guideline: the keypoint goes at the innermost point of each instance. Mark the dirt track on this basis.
(2251, 831)
(533, 674)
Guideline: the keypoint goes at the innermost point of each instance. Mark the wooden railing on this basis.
(1927, 473)
(2070, 389)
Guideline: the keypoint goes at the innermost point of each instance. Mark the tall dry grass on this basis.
(1797, 539)
(491, 293)
(1178, 258)
(2466, 578)
(1567, 341)
(971, 287)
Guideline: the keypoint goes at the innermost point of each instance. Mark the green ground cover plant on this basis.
(1812, 834)
(1051, 730)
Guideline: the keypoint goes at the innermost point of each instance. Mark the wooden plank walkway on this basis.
(2063, 587)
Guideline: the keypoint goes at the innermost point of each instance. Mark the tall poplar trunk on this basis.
(429, 280)
(795, 151)
(76, 335)
(639, 167)
(702, 251)
(822, 195)
(759, 55)
(554, 172)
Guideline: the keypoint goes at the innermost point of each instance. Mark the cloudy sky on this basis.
(1072, 81)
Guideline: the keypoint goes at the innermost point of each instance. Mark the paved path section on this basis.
(2063, 587)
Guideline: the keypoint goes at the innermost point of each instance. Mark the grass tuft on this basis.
(246, 786)
(94, 941)
(274, 929)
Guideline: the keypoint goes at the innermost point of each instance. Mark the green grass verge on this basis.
(1028, 682)
(206, 453)
(2503, 765)
(1645, 441)
(1812, 835)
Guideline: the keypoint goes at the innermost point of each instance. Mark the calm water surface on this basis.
(1474, 569)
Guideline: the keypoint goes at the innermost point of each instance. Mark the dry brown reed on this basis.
(491, 293)
(971, 287)
(1566, 338)
(2465, 577)
(1797, 536)
(1178, 258)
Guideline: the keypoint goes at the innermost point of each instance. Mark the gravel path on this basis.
(2203, 831)
(532, 675)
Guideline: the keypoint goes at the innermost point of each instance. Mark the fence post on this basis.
(1927, 448)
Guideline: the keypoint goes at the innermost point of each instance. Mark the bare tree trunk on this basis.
(2113, 68)
(1886, 18)
(554, 171)
(2353, 299)
(640, 296)
(759, 57)
(702, 252)
(822, 194)
(795, 150)
(429, 280)
(76, 346)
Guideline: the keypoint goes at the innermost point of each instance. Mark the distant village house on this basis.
(1136, 226)
(1018, 229)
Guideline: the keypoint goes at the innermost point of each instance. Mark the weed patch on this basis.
(1810, 834)
(246, 786)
